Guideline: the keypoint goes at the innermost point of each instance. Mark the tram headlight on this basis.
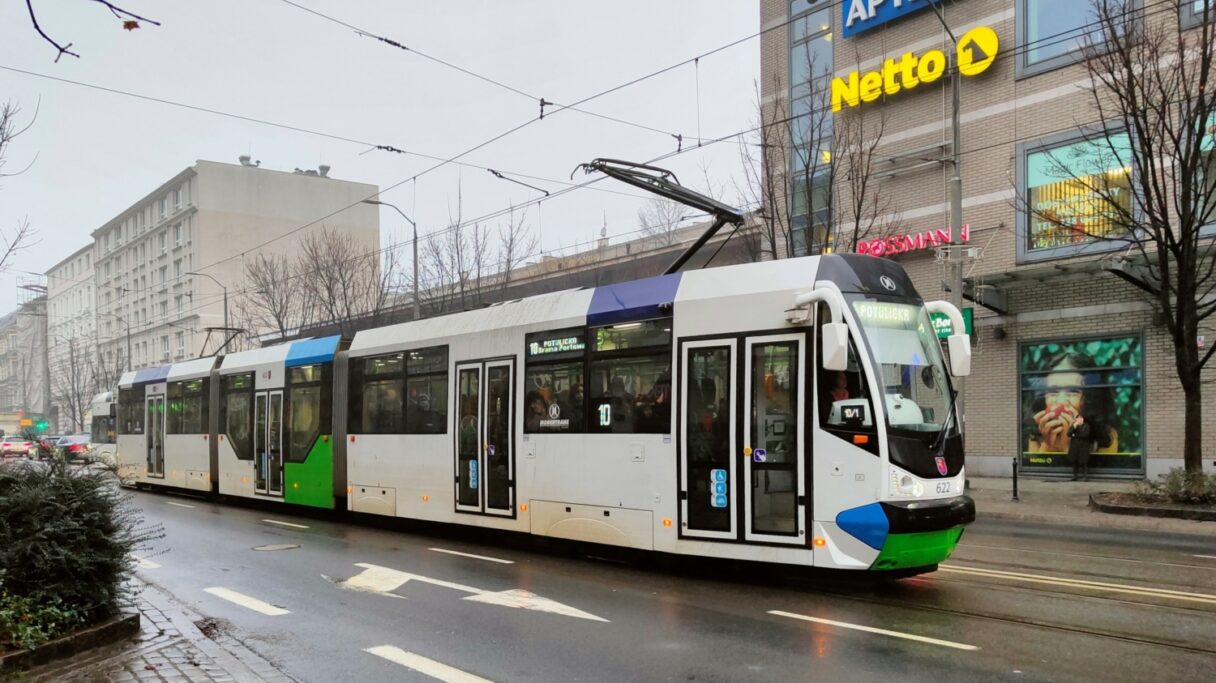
(905, 485)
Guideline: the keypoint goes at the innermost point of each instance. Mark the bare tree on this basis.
(273, 298)
(20, 238)
(764, 157)
(73, 384)
(862, 212)
(107, 370)
(130, 22)
(515, 245)
(344, 285)
(659, 219)
(1147, 166)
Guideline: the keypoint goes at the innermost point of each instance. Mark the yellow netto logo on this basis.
(976, 52)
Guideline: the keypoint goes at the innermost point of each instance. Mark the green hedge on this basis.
(66, 536)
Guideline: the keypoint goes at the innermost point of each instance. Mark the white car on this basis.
(16, 445)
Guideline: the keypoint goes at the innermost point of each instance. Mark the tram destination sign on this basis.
(554, 343)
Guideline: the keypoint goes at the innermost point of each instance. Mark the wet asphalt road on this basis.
(1017, 602)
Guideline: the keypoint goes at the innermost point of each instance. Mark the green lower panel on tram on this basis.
(903, 551)
(311, 482)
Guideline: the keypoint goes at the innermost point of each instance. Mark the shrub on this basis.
(65, 540)
(27, 622)
(1179, 486)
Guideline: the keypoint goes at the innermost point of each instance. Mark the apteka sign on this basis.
(863, 15)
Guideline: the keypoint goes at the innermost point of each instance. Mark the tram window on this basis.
(236, 414)
(845, 404)
(102, 429)
(131, 410)
(308, 408)
(633, 335)
(375, 394)
(187, 407)
(426, 391)
(631, 395)
(774, 387)
(553, 400)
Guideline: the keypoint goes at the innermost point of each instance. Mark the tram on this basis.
(798, 411)
(102, 432)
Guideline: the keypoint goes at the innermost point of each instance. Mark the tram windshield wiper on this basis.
(940, 440)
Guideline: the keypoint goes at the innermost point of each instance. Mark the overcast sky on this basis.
(95, 153)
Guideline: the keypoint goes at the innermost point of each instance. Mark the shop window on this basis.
(1076, 195)
(236, 413)
(811, 64)
(1052, 34)
(1100, 379)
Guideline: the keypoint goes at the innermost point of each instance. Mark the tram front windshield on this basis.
(908, 356)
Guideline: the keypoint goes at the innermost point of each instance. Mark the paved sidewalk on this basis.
(169, 648)
(1059, 501)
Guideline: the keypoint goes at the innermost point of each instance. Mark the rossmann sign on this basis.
(899, 244)
(863, 15)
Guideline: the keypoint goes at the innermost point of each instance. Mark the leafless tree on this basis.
(764, 157)
(273, 298)
(130, 22)
(1147, 165)
(73, 384)
(862, 212)
(21, 237)
(659, 219)
(106, 371)
(515, 245)
(344, 285)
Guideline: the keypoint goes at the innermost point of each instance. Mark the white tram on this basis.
(796, 411)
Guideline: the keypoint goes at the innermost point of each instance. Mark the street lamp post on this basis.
(225, 346)
(955, 250)
(417, 308)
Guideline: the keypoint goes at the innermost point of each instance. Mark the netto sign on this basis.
(977, 50)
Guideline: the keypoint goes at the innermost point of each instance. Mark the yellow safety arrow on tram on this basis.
(977, 50)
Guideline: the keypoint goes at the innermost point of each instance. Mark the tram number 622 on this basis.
(944, 486)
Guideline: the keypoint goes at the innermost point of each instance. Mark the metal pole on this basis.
(227, 336)
(1015, 479)
(417, 305)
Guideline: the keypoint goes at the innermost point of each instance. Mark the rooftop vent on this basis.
(244, 158)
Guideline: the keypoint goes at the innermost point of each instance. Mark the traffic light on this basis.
(41, 424)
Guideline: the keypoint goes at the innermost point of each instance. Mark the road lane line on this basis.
(1054, 553)
(144, 563)
(1081, 583)
(427, 667)
(475, 557)
(180, 505)
(1206, 557)
(246, 601)
(286, 524)
(879, 631)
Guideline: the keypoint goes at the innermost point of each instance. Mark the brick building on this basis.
(1057, 322)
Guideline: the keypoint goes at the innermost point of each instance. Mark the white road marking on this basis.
(286, 524)
(422, 665)
(879, 631)
(1205, 557)
(180, 505)
(1079, 583)
(377, 579)
(246, 601)
(145, 564)
(475, 557)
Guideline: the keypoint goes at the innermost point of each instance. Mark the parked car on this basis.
(72, 447)
(16, 445)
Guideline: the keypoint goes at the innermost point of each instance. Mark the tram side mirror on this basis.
(836, 346)
(960, 355)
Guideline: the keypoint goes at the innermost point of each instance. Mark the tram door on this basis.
(268, 442)
(742, 438)
(155, 425)
(485, 466)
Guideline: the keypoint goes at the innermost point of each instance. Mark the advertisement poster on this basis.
(1100, 379)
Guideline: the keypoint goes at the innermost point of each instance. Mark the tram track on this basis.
(1029, 622)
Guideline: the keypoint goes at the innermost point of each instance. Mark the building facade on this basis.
(24, 379)
(1056, 325)
(71, 341)
(164, 266)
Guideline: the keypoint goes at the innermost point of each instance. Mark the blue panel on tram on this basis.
(867, 524)
(720, 488)
(636, 300)
(717, 475)
(309, 351)
(719, 501)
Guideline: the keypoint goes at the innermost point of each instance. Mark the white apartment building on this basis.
(162, 265)
(71, 336)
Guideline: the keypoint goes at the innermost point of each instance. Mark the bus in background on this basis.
(103, 434)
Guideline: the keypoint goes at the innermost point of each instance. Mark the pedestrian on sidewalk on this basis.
(1080, 444)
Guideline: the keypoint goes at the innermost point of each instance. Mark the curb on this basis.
(1200, 515)
(1097, 519)
(105, 633)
